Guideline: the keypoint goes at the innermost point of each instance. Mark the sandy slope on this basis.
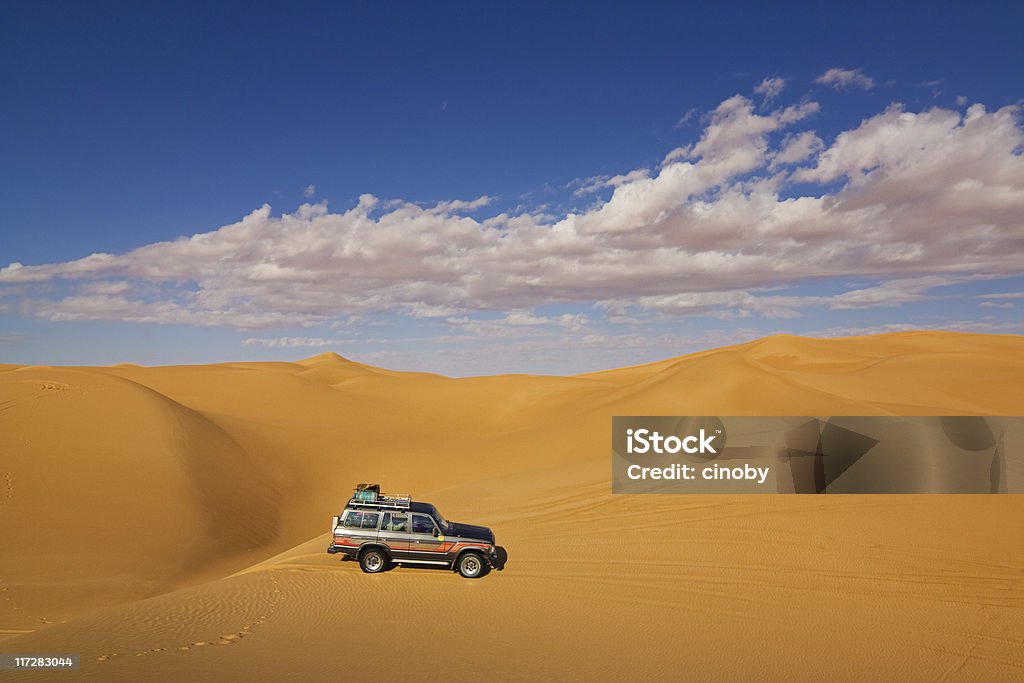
(168, 522)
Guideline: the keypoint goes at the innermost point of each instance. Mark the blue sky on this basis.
(534, 188)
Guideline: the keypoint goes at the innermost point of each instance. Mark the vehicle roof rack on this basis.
(383, 502)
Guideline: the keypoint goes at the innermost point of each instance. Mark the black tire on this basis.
(471, 565)
(373, 560)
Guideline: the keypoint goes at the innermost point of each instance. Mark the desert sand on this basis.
(170, 524)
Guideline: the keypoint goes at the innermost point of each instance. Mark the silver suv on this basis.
(379, 530)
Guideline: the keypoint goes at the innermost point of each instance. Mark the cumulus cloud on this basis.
(841, 79)
(797, 148)
(105, 287)
(757, 201)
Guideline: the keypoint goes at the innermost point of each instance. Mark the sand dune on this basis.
(169, 523)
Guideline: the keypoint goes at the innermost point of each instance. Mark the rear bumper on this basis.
(348, 552)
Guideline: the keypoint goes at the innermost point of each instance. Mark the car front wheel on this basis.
(471, 565)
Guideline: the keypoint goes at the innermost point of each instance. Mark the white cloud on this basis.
(841, 79)
(519, 324)
(97, 264)
(105, 287)
(892, 293)
(1004, 295)
(585, 186)
(309, 191)
(195, 313)
(736, 139)
(418, 309)
(689, 116)
(797, 148)
(770, 88)
(293, 342)
(903, 195)
(457, 205)
(974, 326)
(743, 303)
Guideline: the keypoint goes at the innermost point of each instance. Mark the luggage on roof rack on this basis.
(369, 496)
(366, 493)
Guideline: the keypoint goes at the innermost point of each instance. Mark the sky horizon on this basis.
(549, 190)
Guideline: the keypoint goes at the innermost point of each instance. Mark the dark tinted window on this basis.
(354, 519)
(421, 524)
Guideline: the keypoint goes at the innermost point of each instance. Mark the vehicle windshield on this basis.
(441, 521)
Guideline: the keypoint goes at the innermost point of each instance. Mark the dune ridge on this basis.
(170, 521)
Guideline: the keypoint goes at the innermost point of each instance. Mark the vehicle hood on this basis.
(468, 531)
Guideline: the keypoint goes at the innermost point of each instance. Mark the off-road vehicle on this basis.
(379, 530)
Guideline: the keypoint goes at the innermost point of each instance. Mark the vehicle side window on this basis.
(395, 522)
(353, 520)
(421, 524)
(370, 520)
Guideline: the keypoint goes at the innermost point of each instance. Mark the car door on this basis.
(394, 533)
(425, 542)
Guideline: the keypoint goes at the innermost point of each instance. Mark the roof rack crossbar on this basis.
(393, 502)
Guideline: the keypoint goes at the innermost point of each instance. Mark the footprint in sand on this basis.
(226, 639)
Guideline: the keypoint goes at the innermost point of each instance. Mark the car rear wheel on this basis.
(372, 561)
(471, 565)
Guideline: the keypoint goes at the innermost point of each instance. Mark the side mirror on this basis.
(436, 532)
